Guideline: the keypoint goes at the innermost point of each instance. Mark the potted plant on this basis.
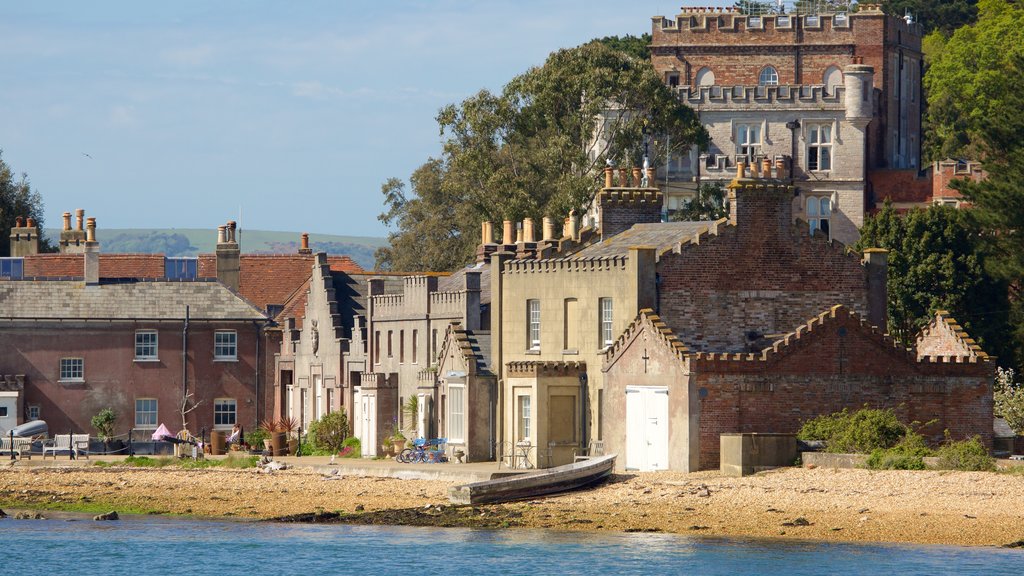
(289, 426)
(398, 441)
(270, 428)
(104, 422)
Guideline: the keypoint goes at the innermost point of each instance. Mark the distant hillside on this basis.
(192, 241)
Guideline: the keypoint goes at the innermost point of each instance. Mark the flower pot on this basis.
(266, 445)
(398, 446)
(279, 443)
(293, 446)
(217, 442)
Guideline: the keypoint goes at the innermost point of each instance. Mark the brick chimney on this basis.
(92, 254)
(876, 263)
(304, 245)
(228, 256)
(760, 205)
(24, 238)
(72, 241)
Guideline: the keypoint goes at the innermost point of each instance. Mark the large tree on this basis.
(944, 16)
(970, 79)
(17, 198)
(936, 262)
(536, 149)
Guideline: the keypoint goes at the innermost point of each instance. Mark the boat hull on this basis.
(524, 486)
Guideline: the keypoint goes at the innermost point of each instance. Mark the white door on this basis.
(8, 410)
(368, 439)
(318, 386)
(421, 416)
(646, 428)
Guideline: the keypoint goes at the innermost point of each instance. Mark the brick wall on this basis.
(763, 275)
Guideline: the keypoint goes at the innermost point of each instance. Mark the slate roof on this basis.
(662, 235)
(154, 300)
(480, 340)
(456, 281)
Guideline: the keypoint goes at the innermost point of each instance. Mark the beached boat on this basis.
(579, 474)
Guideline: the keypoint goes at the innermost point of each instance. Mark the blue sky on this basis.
(295, 112)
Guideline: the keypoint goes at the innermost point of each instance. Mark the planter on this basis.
(217, 442)
(398, 446)
(293, 446)
(279, 443)
(266, 445)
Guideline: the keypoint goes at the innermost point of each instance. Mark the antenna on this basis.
(240, 225)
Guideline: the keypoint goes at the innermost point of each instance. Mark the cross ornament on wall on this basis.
(645, 357)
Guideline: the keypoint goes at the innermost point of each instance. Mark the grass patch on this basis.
(232, 461)
(90, 507)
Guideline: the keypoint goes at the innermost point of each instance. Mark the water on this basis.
(156, 546)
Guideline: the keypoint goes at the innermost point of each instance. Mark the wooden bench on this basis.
(66, 443)
(22, 447)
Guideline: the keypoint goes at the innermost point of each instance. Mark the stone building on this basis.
(467, 393)
(832, 95)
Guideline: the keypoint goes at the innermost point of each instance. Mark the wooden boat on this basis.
(582, 473)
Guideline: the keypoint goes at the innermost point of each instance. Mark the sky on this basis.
(282, 115)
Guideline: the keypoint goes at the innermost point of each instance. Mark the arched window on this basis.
(833, 77)
(769, 77)
(704, 77)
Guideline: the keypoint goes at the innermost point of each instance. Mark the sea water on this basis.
(156, 546)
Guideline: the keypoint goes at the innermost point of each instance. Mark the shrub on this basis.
(329, 432)
(859, 432)
(351, 448)
(255, 439)
(967, 455)
(908, 454)
(104, 422)
(1008, 396)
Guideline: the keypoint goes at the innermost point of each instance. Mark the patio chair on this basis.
(595, 448)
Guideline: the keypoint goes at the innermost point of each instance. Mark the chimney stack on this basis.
(228, 256)
(876, 262)
(79, 217)
(487, 245)
(304, 245)
(759, 206)
(608, 175)
(72, 241)
(548, 229)
(528, 235)
(67, 221)
(92, 254)
(24, 238)
(574, 225)
(506, 233)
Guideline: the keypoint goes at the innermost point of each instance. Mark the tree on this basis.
(971, 79)
(1008, 396)
(17, 198)
(936, 263)
(708, 204)
(638, 47)
(537, 149)
(329, 432)
(944, 16)
(755, 7)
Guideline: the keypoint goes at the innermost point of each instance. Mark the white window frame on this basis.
(151, 423)
(817, 133)
(606, 309)
(34, 412)
(745, 145)
(150, 350)
(523, 408)
(72, 370)
(224, 351)
(533, 324)
(221, 413)
(768, 76)
(456, 413)
(818, 210)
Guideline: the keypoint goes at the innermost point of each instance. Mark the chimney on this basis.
(92, 254)
(876, 263)
(759, 206)
(780, 169)
(609, 173)
(304, 245)
(24, 238)
(487, 245)
(228, 256)
(528, 235)
(548, 229)
(471, 285)
(618, 210)
(574, 225)
(72, 241)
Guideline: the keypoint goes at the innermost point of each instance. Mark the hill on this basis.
(192, 241)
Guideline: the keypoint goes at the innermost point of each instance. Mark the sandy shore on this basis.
(839, 505)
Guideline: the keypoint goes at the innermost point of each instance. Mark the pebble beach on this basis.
(921, 507)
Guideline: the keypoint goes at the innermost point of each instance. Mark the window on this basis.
(225, 345)
(819, 147)
(181, 268)
(33, 412)
(145, 413)
(533, 324)
(13, 268)
(769, 77)
(704, 77)
(433, 343)
(456, 414)
(606, 321)
(391, 333)
(224, 412)
(819, 212)
(832, 79)
(672, 78)
(3, 411)
(401, 346)
(524, 418)
(415, 335)
(376, 347)
(748, 140)
(145, 345)
(72, 369)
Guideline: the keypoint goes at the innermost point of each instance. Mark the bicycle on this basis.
(423, 451)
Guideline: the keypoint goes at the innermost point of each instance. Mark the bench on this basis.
(21, 447)
(66, 443)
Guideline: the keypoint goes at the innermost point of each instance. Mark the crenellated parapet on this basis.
(704, 20)
(776, 98)
(535, 368)
(943, 340)
(574, 265)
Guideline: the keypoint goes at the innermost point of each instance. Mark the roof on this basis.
(475, 346)
(156, 300)
(111, 266)
(662, 235)
(1001, 429)
(457, 280)
(271, 279)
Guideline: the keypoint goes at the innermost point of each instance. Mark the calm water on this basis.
(157, 546)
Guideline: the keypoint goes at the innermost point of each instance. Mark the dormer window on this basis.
(769, 77)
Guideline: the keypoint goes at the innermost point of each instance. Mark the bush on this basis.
(104, 422)
(966, 455)
(351, 448)
(908, 454)
(328, 434)
(861, 432)
(255, 439)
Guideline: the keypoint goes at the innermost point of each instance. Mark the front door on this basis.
(422, 410)
(368, 438)
(646, 428)
(318, 386)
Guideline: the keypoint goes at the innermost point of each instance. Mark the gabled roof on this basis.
(151, 300)
(473, 345)
(663, 235)
(943, 328)
(271, 279)
(645, 318)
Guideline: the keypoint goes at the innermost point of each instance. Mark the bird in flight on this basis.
(86, 155)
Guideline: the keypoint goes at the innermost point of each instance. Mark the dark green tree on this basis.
(936, 263)
(537, 149)
(638, 47)
(944, 16)
(17, 198)
(708, 204)
(970, 80)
